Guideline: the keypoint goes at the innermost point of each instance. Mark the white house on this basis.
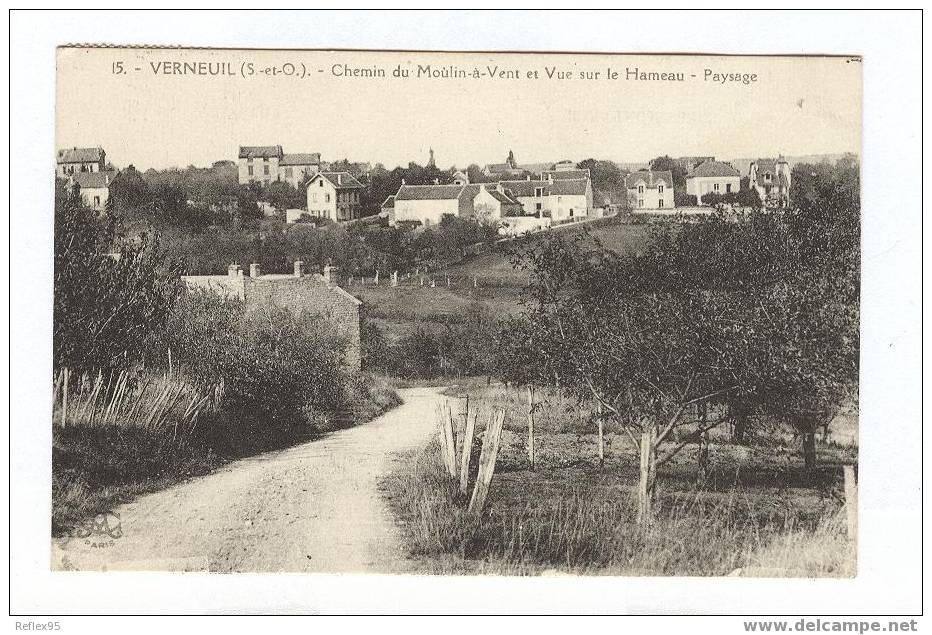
(75, 160)
(771, 178)
(554, 198)
(712, 177)
(491, 203)
(650, 189)
(428, 204)
(94, 187)
(334, 195)
(267, 164)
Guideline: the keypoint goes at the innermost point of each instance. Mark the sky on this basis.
(124, 101)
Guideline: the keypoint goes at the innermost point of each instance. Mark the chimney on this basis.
(339, 179)
(549, 178)
(233, 270)
(528, 177)
(254, 270)
(402, 181)
(298, 268)
(331, 275)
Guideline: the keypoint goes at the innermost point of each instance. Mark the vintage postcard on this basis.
(347, 311)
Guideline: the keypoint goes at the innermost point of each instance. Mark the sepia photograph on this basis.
(343, 325)
(616, 336)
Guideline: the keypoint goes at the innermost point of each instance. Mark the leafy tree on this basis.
(667, 163)
(110, 295)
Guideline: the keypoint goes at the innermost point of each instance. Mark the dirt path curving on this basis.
(314, 507)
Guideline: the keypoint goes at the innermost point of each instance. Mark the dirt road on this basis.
(313, 507)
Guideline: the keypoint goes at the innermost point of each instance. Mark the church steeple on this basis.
(430, 162)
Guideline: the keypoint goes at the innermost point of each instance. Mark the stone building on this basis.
(300, 292)
(76, 160)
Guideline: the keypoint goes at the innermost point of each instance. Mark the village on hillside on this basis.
(514, 198)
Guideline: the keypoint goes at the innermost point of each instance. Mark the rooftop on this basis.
(259, 152)
(80, 155)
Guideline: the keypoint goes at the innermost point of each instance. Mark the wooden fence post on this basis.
(466, 452)
(447, 441)
(851, 502)
(601, 422)
(531, 454)
(643, 481)
(490, 444)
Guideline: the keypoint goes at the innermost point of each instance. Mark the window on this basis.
(728, 188)
(265, 169)
(640, 189)
(660, 203)
(660, 189)
(537, 207)
(538, 191)
(766, 176)
(326, 198)
(249, 168)
(314, 198)
(571, 212)
(96, 201)
(320, 183)
(265, 159)
(640, 202)
(715, 187)
(289, 172)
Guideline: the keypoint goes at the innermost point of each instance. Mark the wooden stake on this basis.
(530, 428)
(490, 444)
(851, 502)
(643, 482)
(446, 441)
(466, 453)
(601, 437)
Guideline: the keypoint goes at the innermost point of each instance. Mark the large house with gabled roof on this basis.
(267, 164)
(76, 160)
(650, 189)
(334, 196)
(712, 177)
(771, 178)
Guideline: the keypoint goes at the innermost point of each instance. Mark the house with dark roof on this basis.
(267, 164)
(75, 160)
(566, 174)
(93, 187)
(428, 204)
(334, 196)
(771, 178)
(650, 189)
(298, 168)
(553, 198)
(712, 177)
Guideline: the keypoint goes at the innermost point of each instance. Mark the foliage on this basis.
(110, 294)
(664, 163)
(275, 371)
(758, 311)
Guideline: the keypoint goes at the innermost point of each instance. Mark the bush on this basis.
(276, 373)
(110, 295)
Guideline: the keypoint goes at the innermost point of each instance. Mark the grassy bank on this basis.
(115, 439)
(757, 511)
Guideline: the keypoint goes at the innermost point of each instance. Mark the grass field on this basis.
(757, 510)
(396, 310)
